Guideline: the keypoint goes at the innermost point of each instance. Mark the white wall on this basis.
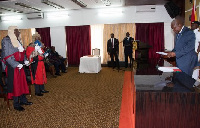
(169, 37)
(58, 39)
(90, 17)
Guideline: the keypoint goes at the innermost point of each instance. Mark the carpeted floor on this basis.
(75, 101)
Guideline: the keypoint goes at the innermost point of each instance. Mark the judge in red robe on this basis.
(13, 57)
(38, 73)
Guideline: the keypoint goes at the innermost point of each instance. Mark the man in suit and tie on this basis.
(184, 50)
(128, 48)
(113, 50)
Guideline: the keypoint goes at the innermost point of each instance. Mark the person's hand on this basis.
(37, 47)
(21, 49)
(198, 49)
(108, 53)
(171, 54)
(46, 54)
(20, 66)
(26, 62)
(40, 50)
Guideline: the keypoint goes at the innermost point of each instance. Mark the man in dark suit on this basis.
(57, 60)
(184, 50)
(113, 50)
(128, 48)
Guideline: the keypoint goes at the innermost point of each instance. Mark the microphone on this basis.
(157, 65)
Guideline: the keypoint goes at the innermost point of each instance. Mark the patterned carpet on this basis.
(75, 101)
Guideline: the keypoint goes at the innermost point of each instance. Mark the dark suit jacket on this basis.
(186, 58)
(128, 45)
(110, 46)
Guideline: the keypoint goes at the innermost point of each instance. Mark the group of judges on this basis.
(15, 58)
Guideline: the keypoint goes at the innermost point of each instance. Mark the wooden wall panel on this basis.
(188, 9)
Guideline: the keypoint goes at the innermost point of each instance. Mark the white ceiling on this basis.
(8, 7)
(67, 4)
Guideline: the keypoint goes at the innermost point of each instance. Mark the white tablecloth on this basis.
(90, 64)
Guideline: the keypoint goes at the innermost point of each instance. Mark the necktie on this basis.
(178, 35)
(113, 42)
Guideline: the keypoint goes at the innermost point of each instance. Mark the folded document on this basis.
(169, 69)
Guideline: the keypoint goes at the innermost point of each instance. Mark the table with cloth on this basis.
(90, 64)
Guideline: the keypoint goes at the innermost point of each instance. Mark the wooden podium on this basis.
(142, 51)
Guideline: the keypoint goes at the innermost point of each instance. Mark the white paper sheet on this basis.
(162, 53)
(168, 69)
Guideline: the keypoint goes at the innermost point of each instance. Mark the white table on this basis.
(90, 64)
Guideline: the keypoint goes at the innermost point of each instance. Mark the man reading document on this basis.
(184, 50)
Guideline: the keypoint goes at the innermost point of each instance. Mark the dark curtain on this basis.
(45, 35)
(78, 40)
(152, 34)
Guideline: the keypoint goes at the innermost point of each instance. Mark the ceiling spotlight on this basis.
(80, 3)
(106, 2)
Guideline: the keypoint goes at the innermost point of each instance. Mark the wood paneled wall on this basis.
(188, 11)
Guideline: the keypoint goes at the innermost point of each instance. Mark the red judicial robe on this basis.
(20, 85)
(38, 73)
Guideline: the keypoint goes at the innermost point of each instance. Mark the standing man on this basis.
(195, 28)
(128, 48)
(184, 50)
(13, 55)
(113, 50)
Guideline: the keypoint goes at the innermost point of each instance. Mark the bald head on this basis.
(179, 20)
(177, 24)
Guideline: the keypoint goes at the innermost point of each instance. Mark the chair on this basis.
(49, 67)
(96, 51)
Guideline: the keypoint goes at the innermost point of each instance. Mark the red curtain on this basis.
(153, 34)
(45, 35)
(78, 40)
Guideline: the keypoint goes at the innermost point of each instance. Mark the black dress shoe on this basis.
(38, 94)
(57, 74)
(27, 103)
(64, 72)
(44, 91)
(19, 108)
